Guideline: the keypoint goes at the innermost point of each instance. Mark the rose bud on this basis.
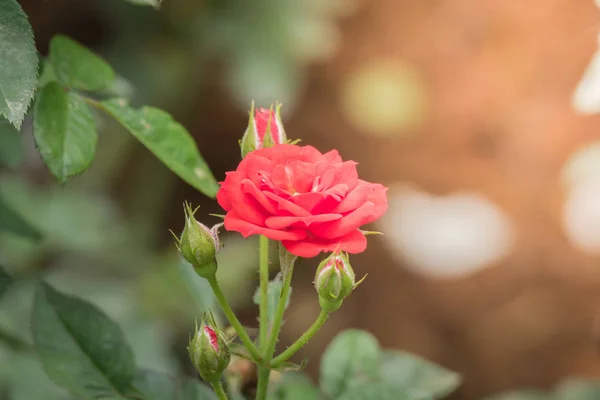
(199, 244)
(208, 350)
(265, 129)
(334, 281)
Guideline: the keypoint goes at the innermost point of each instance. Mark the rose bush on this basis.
(311, 202)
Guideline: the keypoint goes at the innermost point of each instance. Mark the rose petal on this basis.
(355, 198)
(346, 225)
(288, 206)
(255, 167)
(299, 222)
(250, 189)
(223, 197)
(355, 242)
(309, 201)
(331, 157)
(233, 222)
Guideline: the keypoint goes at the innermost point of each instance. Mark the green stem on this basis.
(263, 368)
(298, 344)
(264, 293)
(233, 319)
(93, 102)
(218, 388)
(285, 290)
(263, 383)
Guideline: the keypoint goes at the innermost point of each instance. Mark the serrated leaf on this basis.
(168, 140)
(274, 293)
(5, 281)
(18, 62)
(409, 372)
(153, 3)
(64, 131)
(351, 360)
(151, 385)
(11, 147)
(77, 67)
(80, 348)
(13, 223)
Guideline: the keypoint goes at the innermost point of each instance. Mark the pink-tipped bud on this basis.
(334, 281)
(199, 245)
(265, 129)
(208, 350)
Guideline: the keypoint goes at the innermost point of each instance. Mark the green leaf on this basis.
(380, 391)
(11, 147)
(168, 140)
(273, 296)
(18, 62)
(5, 281)
(64, 131)
(153, 385)
(530, 394)
(12, 222)
(577, 389)
(153, 3)
(294, 386)
(77, 67)
(352, 358)
(406, 371)
(80, 348)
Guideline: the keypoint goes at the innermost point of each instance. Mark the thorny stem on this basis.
(233, 319)
(264, 292)
(263, 382)
(298, 344)
(263, 369)
(218, 388)
(285, 290)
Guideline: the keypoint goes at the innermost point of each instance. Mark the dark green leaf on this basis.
(294, 386)
(18, 62)
(406, 371)
(351, 360)
(151, 385)
(274, 294)
(379, 391)
(47, 74)
(12, 222)
(77, 67)
(168, 140)
(11, 147)
(80, 348)
(153, 3)
(65, 132)
(5, 281)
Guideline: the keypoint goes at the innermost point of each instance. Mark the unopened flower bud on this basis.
(265, 129)
(334, 281)
(199, 245)
(208, 350)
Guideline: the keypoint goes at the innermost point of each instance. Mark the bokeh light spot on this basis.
(384, 98)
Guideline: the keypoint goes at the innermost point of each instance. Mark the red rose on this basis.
(311, 202)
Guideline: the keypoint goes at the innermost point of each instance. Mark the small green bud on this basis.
(199, 244)
(334, 281)
(208, 350)
(265, 129)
